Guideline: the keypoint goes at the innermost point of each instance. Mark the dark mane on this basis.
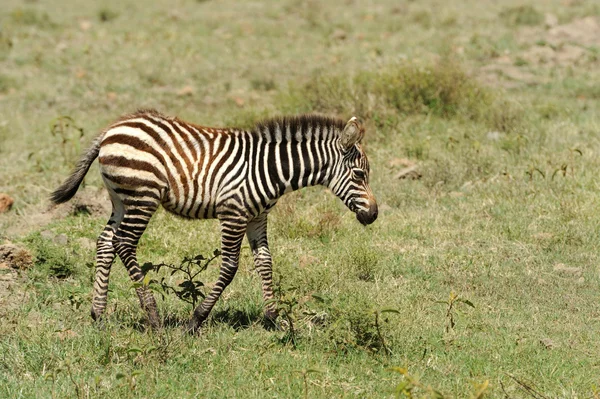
(297, 123)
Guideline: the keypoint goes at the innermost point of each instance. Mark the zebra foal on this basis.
(148, 159)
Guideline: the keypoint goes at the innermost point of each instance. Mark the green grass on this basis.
(508, 192)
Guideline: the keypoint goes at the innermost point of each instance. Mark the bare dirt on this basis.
(546, 47)
(91, 201)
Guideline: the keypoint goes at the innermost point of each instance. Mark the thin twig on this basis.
(535, 394)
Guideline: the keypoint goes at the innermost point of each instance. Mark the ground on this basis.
(480, 276)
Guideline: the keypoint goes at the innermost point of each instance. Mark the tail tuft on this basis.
(67, 190)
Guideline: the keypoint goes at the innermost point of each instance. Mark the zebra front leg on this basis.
(257, 237)
(232, 234)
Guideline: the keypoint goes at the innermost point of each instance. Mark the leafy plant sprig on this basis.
(190, 289)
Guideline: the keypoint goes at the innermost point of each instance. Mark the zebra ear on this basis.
(352, 133)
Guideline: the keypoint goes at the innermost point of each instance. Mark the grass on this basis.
(505, 215)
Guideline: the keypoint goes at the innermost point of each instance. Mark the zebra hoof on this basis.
(270, 322)
(96, 314)
(193, 327)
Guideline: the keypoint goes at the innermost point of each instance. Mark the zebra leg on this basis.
(232, 234)
(257, 237)
(105, 254)
(125, 241)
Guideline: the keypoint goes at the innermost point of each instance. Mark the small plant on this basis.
(410, 386)
(106, 14)
(305, 374)
(286, 303)
(189, 290)
(58, 260)
(70, 134)
(451, 308)
(31, 17)
(66, 367)
(128, 380)
(358, 327)
(363, 262)
(263, 84)
(521, 15)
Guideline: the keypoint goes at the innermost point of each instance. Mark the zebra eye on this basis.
(360, 174)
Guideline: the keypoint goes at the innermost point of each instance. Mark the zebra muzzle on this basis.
(367, 217)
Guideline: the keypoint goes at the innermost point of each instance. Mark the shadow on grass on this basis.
(238, 319)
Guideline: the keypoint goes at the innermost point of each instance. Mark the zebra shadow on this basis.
(238, 319)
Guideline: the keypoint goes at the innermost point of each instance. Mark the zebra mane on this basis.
(300, 126)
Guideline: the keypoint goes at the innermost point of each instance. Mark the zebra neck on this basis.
(295, 165)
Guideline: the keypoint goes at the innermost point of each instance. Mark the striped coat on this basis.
(147, 159)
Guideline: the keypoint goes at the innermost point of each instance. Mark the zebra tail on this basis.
(67, 190)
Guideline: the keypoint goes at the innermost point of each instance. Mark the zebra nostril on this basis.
(373, 211)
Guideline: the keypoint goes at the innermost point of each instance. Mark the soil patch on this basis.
(92, 201)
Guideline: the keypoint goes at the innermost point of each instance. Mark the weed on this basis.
(363, 262)
(70, 134)
(286, 302)
(189, 289)
(106, 15)
(31, 17)
(59, 261)
(451, 309)
(263, 84)
(410, 385)
(6, 83)
(305, 374)
(521, 15)
(357, 326)
(443, 89)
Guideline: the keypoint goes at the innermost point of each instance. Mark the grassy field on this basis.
(497, 105)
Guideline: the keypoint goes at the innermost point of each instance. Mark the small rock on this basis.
(85, 24)
(493, 136)
(86, 243)
(306, 260)
(562, 268)
(550, 20)
(62, 335)
(186, 91)
(61, 239)
(548, 343)
(404, 162)
(6, 202)
(408, 173)
(48, 234)
(580, 280)
(543, 236)
(339, 34)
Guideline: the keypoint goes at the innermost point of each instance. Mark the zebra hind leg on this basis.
(125, 241)
(105, 254)
(232, 234)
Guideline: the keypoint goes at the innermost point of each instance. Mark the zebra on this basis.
(148, 159)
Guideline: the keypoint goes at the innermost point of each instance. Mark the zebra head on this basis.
(350, 179)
